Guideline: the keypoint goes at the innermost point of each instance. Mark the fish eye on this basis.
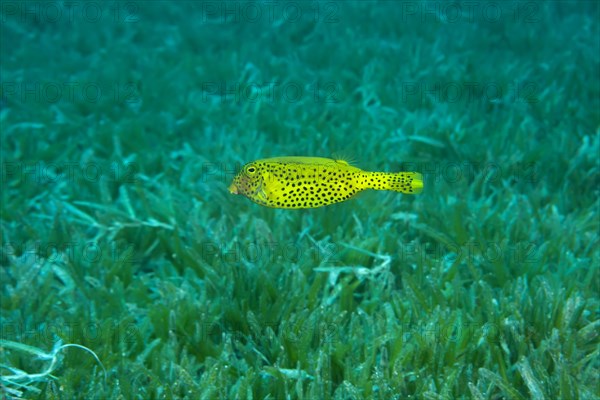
(251, 170)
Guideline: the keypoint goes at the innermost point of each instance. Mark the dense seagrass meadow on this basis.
(129, 271)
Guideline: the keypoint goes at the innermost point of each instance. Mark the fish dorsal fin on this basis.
(344, 158)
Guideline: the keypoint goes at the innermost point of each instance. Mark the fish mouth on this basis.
(233, 189)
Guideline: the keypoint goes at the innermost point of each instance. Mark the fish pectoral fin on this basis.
(270, 183)
(260, 193)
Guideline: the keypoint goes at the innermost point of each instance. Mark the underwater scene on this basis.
(300, 200)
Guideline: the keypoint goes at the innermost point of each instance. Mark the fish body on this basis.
(310, 182)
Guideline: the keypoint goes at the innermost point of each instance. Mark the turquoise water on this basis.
(128, 270)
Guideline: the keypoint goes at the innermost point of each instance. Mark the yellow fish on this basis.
(310, 182)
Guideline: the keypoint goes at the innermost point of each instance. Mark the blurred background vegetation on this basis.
(123, 123)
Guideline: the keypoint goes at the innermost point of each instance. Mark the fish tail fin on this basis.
(403, 182)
